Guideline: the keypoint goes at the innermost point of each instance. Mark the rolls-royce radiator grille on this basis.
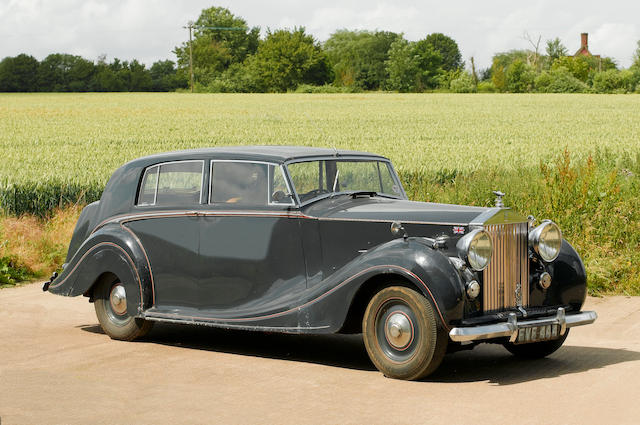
(506, 279)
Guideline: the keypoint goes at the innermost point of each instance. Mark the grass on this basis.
(571, 158)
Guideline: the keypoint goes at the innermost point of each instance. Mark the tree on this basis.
(61, 72)
(413, 66)
(19, 74)
(358, 57)
(219, 40)
(636, 57)
(555, 49)
(286, 59)
(164, 76)
(448, 50)
(139, 77)
(519, 77)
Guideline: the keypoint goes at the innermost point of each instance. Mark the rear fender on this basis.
(111, 249)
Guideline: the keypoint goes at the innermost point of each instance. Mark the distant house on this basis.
(584, 46)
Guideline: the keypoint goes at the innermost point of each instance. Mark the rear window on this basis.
(172, 184)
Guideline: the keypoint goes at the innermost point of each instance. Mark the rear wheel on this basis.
(401, 334)
(536, 350)
(111, 308)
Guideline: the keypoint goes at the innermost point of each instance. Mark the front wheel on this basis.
(111, 308)
(536, 350)
(401, 334)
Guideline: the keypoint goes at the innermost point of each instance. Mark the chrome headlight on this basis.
(475, 248)
(546, 240)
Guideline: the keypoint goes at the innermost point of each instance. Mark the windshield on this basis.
(313, 179)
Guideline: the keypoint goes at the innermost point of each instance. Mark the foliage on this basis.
(19, 74)
(33, 247)
(559, 80)
(11, 272)
(486, 87)
(164, 77)
(215, 46)
(498, 78)
(578, 66)
(286, 59)
(61, 72)
(555, 49)
(519, 77)
(413, 66)
(614, 81)
(358, 57)
(448, 50)
(463, 84)
(327, 88)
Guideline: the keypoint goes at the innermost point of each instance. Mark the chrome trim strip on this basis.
(510, 328)
(382, 220)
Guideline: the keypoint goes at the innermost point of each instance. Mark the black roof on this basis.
(277, 154)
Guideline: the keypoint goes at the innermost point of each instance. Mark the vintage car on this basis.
(309, 240)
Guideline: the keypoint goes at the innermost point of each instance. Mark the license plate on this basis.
(537, 333)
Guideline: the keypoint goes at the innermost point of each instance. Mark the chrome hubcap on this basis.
(118, 299)
(398, 330)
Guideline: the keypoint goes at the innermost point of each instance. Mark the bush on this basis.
(12, 272)
(486, 87)
(463, 84)
(559, 80)
(613, 81)
(519, 77)
(327, 88)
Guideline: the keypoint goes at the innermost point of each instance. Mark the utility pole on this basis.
(190, 26)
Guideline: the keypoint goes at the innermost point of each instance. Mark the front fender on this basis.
(427, 269)
(111, 249)
(568, 280)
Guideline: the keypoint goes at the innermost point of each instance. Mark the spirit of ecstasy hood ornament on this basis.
(499, 196)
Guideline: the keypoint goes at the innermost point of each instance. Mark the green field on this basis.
(571, 158)
(84, 137)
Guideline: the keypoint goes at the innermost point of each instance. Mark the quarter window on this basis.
(172, 184)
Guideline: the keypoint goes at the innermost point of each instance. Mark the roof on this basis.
(277, 154)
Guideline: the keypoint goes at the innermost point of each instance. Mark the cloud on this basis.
(149, 29)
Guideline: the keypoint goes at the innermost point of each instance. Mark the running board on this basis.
(157, 316)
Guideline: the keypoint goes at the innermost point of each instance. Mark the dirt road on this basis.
(57, 367)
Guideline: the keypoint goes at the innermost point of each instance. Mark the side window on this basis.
(172, 184)
(240, 183)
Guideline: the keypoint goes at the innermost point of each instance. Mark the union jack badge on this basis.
(458, 230)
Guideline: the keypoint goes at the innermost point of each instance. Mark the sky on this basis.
(148, 30)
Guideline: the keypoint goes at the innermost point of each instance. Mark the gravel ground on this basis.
(57, 367)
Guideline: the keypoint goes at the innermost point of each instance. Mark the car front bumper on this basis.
(511, 327)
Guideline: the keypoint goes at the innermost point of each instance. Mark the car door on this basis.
(250, 247)
(168, 228)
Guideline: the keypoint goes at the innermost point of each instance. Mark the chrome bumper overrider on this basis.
(510, 327)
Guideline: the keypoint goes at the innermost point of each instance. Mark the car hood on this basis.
(343, 207)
